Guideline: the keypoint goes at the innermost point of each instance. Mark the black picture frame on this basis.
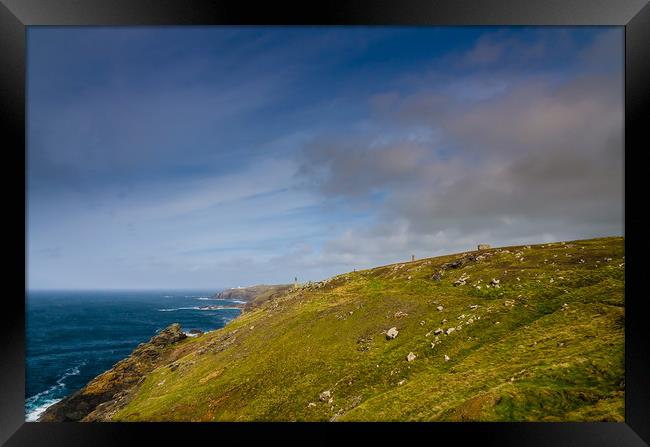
(16, 15)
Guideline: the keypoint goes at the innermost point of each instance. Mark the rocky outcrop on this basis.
(249, 293)
(111, 390)
(253, 296)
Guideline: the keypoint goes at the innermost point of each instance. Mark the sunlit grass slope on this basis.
(544, 341)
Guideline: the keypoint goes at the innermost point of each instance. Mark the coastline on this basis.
(238, 299)
(60, 361)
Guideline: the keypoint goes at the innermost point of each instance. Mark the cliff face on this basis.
(111, 390)
(525, 333)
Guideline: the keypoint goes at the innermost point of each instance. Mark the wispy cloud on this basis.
(211, 157)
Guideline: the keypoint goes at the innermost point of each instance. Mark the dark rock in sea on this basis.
(111, 390)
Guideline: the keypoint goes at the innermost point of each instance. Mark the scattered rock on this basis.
(438, 331)
(455, 264)
(494, 282)
(447, 358)
(473, 306)
(440, 308)
(325, 396)
(392, 333)
(410, 357)
(311, 405)
(422, 323)
(438, 275)
(450, 330)
(400, 314)
(462, 280)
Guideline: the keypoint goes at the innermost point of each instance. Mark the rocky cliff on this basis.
(111, 390)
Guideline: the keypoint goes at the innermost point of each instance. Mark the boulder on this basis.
(462, 280)
(392, 333)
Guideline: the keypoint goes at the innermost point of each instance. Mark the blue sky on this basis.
(208, 157)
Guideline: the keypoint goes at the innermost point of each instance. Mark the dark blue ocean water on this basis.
(74, 336)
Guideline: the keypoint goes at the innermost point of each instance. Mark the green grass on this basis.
(542, 361)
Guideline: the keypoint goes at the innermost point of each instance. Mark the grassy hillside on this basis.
(545, 343)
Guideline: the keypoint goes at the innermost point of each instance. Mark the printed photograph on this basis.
(330, 224)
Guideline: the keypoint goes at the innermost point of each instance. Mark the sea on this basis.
(73, 336)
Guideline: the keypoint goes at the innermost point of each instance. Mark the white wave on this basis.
(227, 300)
(179, 308)
(36, 412)
(196, 308)
(37, 406)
